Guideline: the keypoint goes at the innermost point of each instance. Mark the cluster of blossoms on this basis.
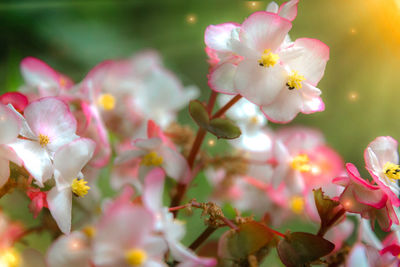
(57, 138)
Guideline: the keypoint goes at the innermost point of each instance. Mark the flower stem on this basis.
(203, 237)
(227, 106)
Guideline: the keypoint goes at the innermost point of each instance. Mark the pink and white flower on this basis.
(382, 159)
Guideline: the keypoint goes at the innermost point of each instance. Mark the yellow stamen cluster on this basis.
(136, 257)
(152, 159)
(294, 81)
(43, 140)
(107, 101)
(10, 258)
(89, 231)
(268, 59)
(80, 187)
(254, 120)
(297, 204)
(301, 163)
(392, 171)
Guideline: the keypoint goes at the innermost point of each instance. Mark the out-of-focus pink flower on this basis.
(382, 159)
(154, 152)
(9, 232)
(47, 125)
(41, 80)
(38, 200)
(370, 201)
(287, 10)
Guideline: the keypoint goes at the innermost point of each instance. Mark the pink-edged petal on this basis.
(308, 57)
(285, 107)
(154, 131)
(272, 7)
(60, 206)
(153, 189)
(356, 177)
(376, 198)
(18, 100)
(260, 85)
(10, 125)
(311, 100)
(221, 78)
(380, 151)
(36, 159)
(288, 10)
(69, 250)
(384, 221)
(39, 74)
(342, 181)
(174, 164)
(51, 117)
(4, 171)
(25, 131)
(70, 159)
(264, 30)
(218, 36)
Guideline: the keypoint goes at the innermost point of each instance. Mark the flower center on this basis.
(294, 81)
(79, 187)
(107, 101)
(43, 140)
(392, 171)
(297, 204)
(10, 258)
(89, 231)
(152, 159)
(268, 59)
(136, 257)
(254, 120)
(301, 163)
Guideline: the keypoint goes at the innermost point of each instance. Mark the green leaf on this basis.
(330, 211)
(252, 239)
(199, 114)
(300, 249)
(224, 128)
(221, 128)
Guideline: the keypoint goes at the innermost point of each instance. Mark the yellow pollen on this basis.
(43, 140)
(10, 258)
(63, 82)
(254, 120)
(107, 101)
(301, 163)
(89, 231)
(268, 59)
(392, 171)
(152, 159)
(79, 187)
(136, 257)
(297, 204)
(294, 81)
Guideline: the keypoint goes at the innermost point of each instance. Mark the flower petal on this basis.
(10, 125)
(218, 36)
(174, 164)
(288, 10)
(60, 206)
(153, 189)
(221, 78)
(264, 30)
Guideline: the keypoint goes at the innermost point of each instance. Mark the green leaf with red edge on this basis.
(330, 211)
(221, 128)
(300, 249)
(252, 238)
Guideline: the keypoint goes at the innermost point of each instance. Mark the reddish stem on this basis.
(203, 237)
(227, 106)
(178, 208)
(276, 232)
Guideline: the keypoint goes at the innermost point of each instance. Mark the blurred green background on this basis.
(360, 87)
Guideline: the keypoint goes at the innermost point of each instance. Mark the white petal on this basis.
(218, 36)
(174, 164)
(153, 189)
(7, 153)
(60, 206)
(129, 155)
(10, 125)
(258, 84)
(70, 159)
(51, 117)
(272, 7)
(288, 10)
(148, 144)
(36, 159)
(222, 78)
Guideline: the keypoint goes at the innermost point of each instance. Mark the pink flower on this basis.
(382, 159)
(16, 99)
(287, 10)
(38, 200)
(360, 196)
(156, 151)
(47, 125)
(10, 125)
(68, 163)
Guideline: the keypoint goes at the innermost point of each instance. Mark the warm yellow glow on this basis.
(353, 96)
(253, 4)
(10, 258)
(353, 30)
(107, 101)
(301, 163)
(211, 142)
(191, 18)
(297, 204)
